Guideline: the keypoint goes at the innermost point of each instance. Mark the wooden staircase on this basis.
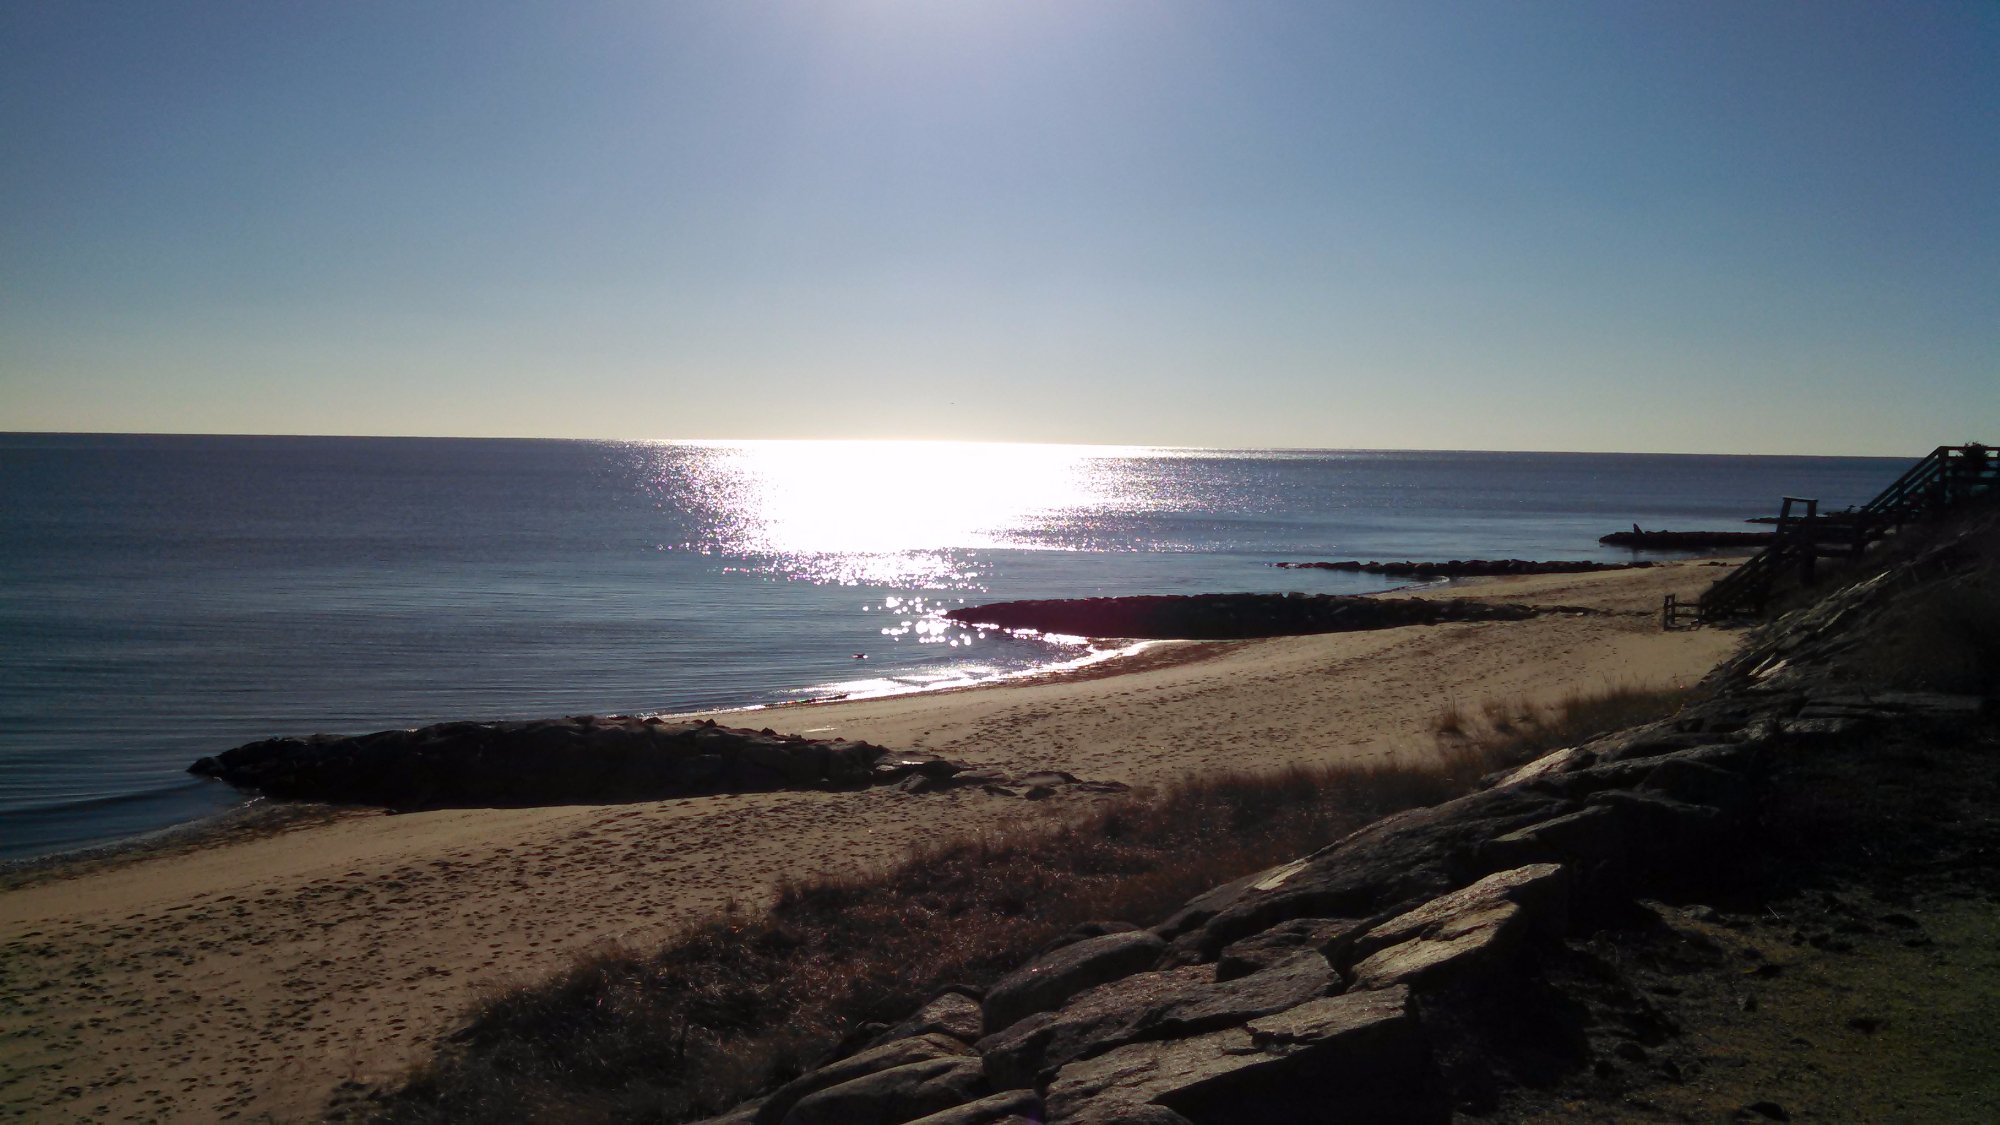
(1949, 477)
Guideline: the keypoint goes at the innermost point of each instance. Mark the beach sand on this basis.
(246, 979)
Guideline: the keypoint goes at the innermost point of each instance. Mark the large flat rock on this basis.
(1052, 979)
(1390, 866)
(894, 1096)
(1159, 1005)
(1474, 926)
(1359, 1057)
(888, 1056)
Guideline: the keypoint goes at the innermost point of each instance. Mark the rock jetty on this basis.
(1687, 540)
(1230, 616)
(1462, 568)
(589, 760)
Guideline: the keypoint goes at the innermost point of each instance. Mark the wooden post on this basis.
(1801, 537)
(1809, 539)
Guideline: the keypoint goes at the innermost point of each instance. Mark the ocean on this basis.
(163, 598)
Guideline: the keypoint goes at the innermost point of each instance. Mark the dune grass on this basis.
(1945, 639)
(742, 1002)
(1503, 732)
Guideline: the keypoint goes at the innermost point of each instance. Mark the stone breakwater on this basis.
(588, 760)
(1687, 540)
(1408, 970)
(1462, 568)
(1211, 617)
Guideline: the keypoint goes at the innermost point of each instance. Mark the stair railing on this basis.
(1946, 477)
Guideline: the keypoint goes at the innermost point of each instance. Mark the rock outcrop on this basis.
(1331, 988)
(1232, 616)
(590, 760)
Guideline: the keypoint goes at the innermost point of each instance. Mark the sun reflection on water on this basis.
(890, 513)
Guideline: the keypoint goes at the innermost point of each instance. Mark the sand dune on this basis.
(245, 979)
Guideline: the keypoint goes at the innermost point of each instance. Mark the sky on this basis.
(1735, 227)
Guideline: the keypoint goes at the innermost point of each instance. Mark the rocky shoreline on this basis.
(1430, 963)
(1231, 616)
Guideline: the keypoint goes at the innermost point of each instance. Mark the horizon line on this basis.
(950, 441)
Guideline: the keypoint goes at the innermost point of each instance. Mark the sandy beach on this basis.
(245, 979)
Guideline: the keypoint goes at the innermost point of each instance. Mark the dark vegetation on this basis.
(742, 1003)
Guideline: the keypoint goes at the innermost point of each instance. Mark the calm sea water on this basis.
(163, 598)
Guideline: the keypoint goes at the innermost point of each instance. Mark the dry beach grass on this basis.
(248, 979)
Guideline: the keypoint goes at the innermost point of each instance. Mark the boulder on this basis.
(1055, 977)
(1293, 981)
(1664, 837)
(1127, 1115)
(1475, 926)
(1097, 1018)
(1549, 765)
(894, 1096)
(1648, 741)
(1811, 731)
(1158, 1005)
(1329, 937)
(1697, 782)
(891, 1055)
(1391, 865)
(1588, 840)
(1731, 762)
(1359, 1057)
(952, 1012)
(1012, 1107)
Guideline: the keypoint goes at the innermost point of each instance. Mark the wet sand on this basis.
(245, 979)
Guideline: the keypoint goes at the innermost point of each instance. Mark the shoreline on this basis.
(1124, 655)
(255, 818)
(256, 815)
(252, 975)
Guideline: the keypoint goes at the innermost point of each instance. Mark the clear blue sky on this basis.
(1734, 227)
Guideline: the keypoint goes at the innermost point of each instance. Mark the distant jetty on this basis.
(1687, 540)
(1229, 616)
(1462, 568)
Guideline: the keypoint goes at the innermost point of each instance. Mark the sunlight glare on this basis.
(892, 511)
